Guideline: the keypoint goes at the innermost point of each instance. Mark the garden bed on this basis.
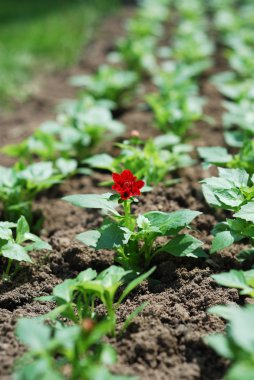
(165, 341)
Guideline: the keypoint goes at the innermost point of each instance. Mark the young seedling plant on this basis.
(219, 156)
(233, 190)
(78, 130)
(66, 352)
(176, 110)
(76, 298)
(151, 159)
(109, 83)
(134, 237)
(20, 184)
(16, 245)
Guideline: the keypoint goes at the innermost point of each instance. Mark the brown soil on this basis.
(165, 341)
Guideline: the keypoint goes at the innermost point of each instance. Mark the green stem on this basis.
(127, 213)
(8, 267)
(148, 249)
(112, 317)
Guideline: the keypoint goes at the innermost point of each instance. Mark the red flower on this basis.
(126, 184)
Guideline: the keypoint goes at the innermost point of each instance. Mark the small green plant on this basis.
(152, 159)
(241, 59)
(138, 54)
(20, 184)
(240, 115)
(233, 190)
(76, 298)
(178, 76)
(154, 11)
(176, 111)
(134, 238)
(14, 247)
(109, 83)
(40, 144)
(46, 147)
(65, 353)
(237, 344)
(230, 86)
(220, 156)
(202, 46)
(78, 130)
(142, 27)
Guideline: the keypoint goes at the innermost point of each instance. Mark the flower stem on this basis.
(127, 214)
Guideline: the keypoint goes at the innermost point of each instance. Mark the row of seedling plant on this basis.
(175, 103)
(233, 189)
(71, 343)
(64, 147)
(77, 351)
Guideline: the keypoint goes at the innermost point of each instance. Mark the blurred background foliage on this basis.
(43, 35)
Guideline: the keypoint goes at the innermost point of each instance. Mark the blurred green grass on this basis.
(38, 36)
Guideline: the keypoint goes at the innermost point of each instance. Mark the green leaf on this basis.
(232, 279)
(38, 369)
(37, 173)
(98, 201)
(242, 328)
(234, 138)
(108, 236)
(22, 230)
(66, 167)
(64, 290)
(243, 370)
(111, 276)
(5, 233)
(64, 310)
(225, 190)
(249, 275)
(222, 240)
(210, 186)
(89, 238)
(223, 311)
(87, 275)
(168, 139)
(38, 245)
(246, 212)
(183, 245)
(238, 177)
(101, 161)
(230, 197)
(7, 225)
(171, 223)
(33, 334)
(215, 155)
(220, 344)
(15, 252)
(133, 315)
(108, 355)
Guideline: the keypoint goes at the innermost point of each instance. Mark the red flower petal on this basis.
(139, 184)
(126, 184)
(117, 177)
